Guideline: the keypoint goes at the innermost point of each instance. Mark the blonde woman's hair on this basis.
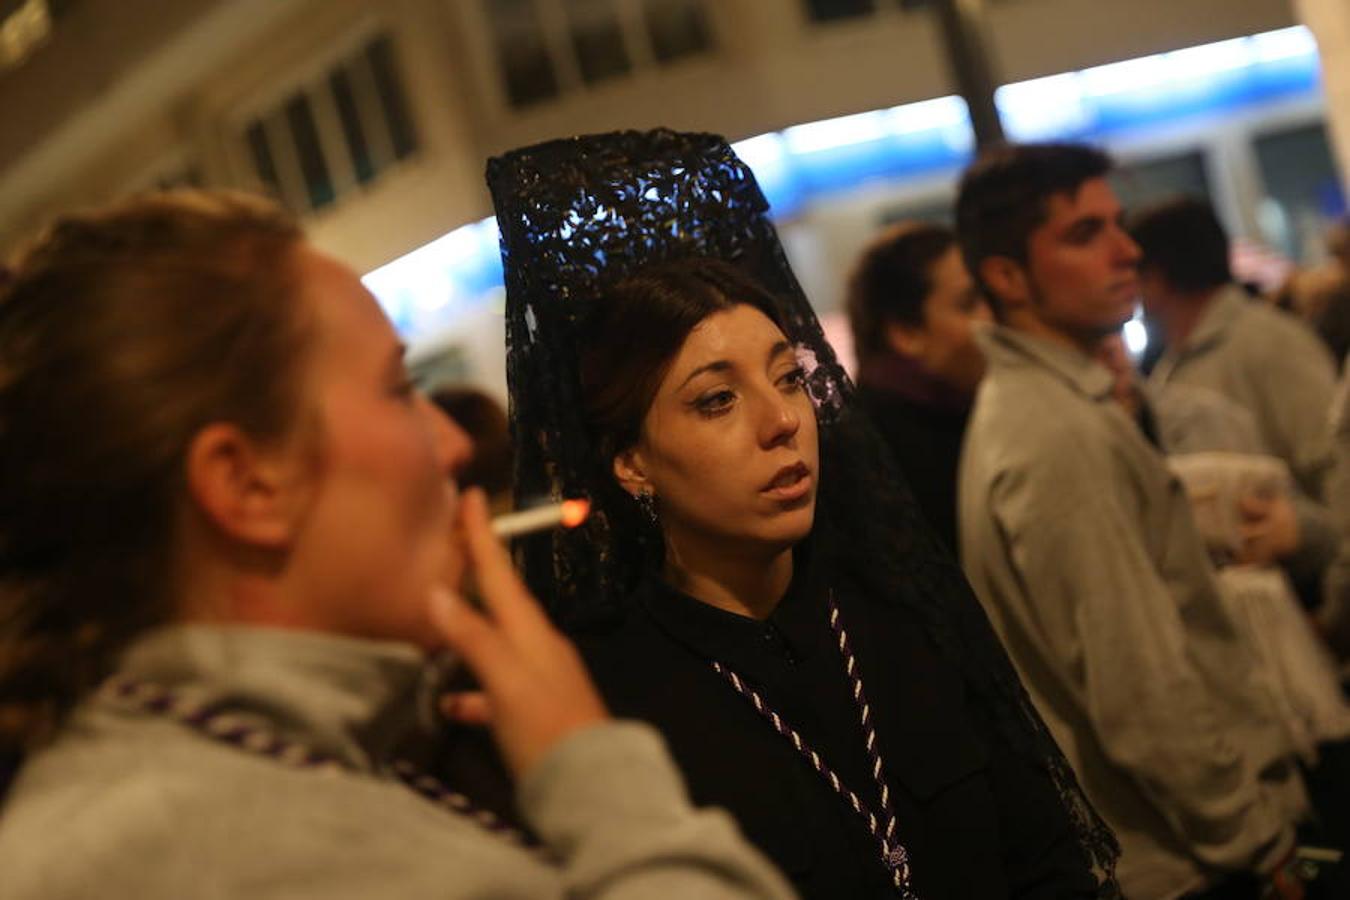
(124, 331)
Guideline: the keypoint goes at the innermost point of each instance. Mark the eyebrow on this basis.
(722, 365)
(1096, 220)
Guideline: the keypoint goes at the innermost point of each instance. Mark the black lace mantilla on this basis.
(575, 216)
(580, 214)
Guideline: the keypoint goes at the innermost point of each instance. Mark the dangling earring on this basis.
(647, 501)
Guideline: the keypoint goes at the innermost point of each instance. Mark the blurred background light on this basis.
(459, 274)
(828, 134)
(1136, 336)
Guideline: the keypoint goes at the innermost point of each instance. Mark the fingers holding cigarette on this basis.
(535, 688)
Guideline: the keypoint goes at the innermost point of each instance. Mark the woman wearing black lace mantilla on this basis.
(756, 580)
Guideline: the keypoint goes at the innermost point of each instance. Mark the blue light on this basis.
(433, 285)
(1210, 78)
(767, 157)
(832, 134)
(1044, 108)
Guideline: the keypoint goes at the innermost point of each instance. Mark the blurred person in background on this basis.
(482, 417)
(228, 539)
(1263, 359)
(1245, 504)
(1187, 419)
(1327, 293)
(1217, 337)
(913, 309)
(1334, 617)
(1083, 549)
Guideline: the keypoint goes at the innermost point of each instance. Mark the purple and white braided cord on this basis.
(239, 732)
(865, 717)
(893, 853)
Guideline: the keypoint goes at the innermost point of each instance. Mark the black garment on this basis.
(1240, 886)
(977, 821)
(926, 440)
(1328, 785)
(9, 767)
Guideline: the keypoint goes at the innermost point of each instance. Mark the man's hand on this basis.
(1269, 529)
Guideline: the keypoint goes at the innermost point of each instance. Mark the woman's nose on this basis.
(781, 420)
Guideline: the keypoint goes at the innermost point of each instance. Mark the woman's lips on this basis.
(791, 483)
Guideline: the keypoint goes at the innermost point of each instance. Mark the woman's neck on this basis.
(745, 583)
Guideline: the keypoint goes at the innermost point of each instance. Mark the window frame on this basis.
(348, 52)
(555, 31)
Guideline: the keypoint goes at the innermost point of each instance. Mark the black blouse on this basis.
(978, 823)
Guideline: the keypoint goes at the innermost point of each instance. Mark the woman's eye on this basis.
(715, 402)
(794, 379)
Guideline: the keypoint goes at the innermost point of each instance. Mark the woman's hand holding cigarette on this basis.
(535, 688)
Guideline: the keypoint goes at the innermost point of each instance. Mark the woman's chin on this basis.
(791, 527)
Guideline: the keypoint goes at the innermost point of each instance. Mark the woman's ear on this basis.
(630, 471)
(251, 493)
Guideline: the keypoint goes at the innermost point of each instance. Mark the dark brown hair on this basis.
(890, 282)
(1183, 240)
(123, 332)
(638, 328)
(485, 421)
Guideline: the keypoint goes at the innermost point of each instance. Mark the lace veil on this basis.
(579, 214)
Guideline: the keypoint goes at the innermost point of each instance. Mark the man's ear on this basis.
(630, 471)
(1007, 279)
(906, 339)
(250, 492)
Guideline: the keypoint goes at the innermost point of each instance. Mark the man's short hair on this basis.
(1005, 195)
(890, 282)
(1183, 240)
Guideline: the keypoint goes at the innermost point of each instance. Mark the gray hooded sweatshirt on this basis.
(130, 804)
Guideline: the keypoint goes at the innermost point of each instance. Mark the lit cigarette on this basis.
(568, 514)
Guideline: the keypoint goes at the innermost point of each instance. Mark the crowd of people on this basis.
(1154, 552)
(1008, 618)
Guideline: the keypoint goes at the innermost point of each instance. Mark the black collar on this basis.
(796, 630)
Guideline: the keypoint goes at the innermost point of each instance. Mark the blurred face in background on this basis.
(1155, 294)
(728, 445)
(1080, 280)
(944, 345)
(376, 534)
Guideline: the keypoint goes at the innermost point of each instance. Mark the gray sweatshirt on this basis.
(127, 804)
(1081, 546)
(1273, 366)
